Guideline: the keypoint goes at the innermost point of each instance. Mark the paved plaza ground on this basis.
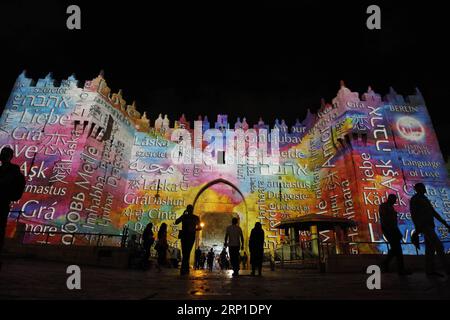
(33, 279)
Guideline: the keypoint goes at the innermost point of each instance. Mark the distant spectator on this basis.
(203, 260)
(210, 259)
(197, 258)
(223, 259)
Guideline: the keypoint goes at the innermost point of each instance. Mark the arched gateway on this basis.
(216, 220)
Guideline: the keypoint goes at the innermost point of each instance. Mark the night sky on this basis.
(269, 61)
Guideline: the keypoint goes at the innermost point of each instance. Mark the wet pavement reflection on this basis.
(28, 279)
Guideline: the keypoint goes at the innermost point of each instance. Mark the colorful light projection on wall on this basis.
(94, 164)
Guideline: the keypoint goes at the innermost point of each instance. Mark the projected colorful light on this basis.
(94, 163)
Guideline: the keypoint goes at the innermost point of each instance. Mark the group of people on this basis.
(166, 256)
(234, 241)
(204, 260)
(207, 260)
(190, 225)
(422, 215)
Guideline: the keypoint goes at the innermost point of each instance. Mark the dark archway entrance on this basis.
(213, 233)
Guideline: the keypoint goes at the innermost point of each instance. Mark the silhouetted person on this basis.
(234, 239)
(389, 226)
(423, 215)
(210, 259)
(132, 243)
(223, 259)
(197, 256)
(12, 185)
(256, 245)
(147, 241)
(244, 260)
(162, 246)
(190, 224)
(202, 260)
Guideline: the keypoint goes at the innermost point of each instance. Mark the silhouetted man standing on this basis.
(389, 226)
(210, 259)
(423, 215)
(190, 224)
(234, 239)
(197, 258)
(256, 245)
(12, 184)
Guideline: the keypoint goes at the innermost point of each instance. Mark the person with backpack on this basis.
(12, 186)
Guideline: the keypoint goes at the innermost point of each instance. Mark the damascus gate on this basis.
(95, 164)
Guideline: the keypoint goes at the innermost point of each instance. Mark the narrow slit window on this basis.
(221, 157)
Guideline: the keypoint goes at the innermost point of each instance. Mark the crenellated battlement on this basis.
(344, 99)
(49, 85)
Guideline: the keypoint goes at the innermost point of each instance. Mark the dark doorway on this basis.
(213, 233)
